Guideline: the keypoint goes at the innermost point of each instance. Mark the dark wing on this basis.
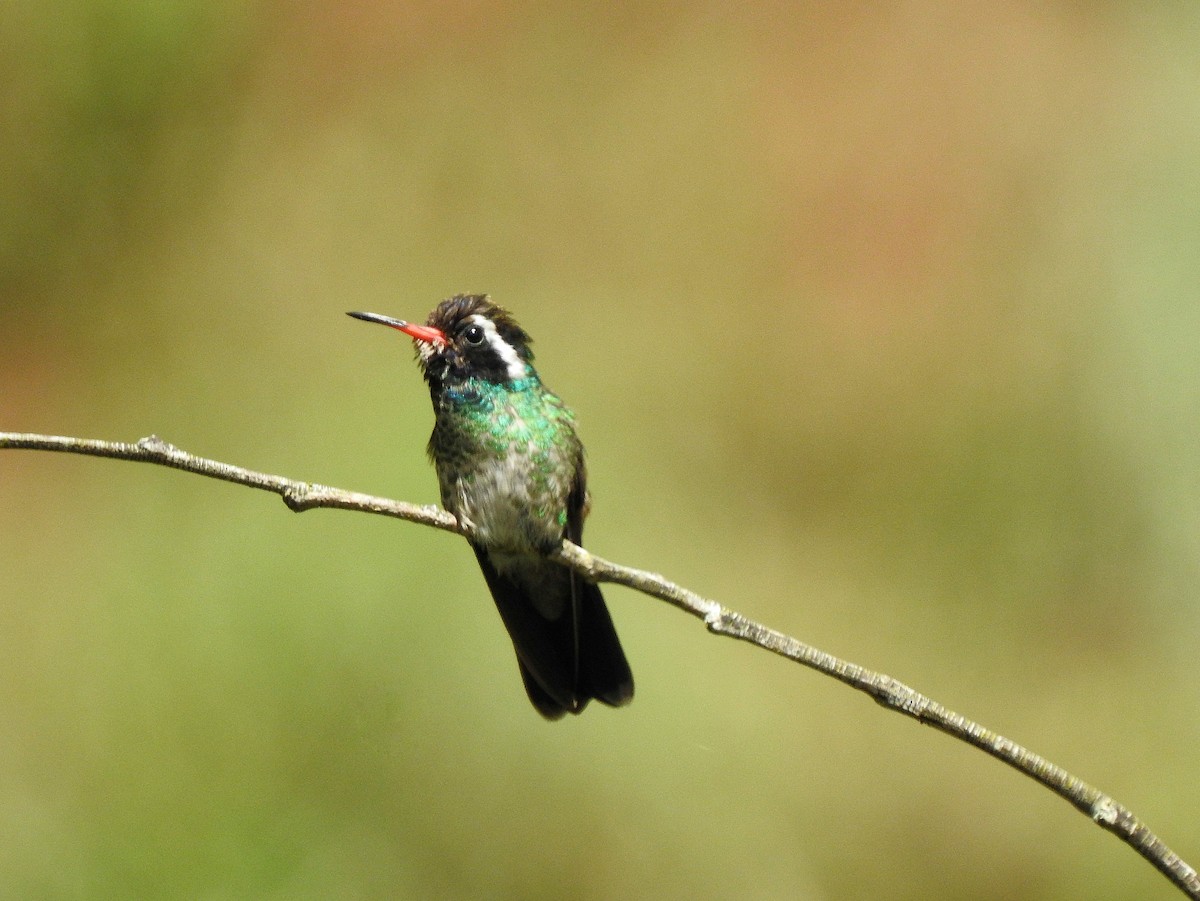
(604, 672)
(545, 648)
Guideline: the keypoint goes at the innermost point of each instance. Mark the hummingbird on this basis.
(511, 469)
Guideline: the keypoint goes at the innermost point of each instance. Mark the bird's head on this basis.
(466, 336)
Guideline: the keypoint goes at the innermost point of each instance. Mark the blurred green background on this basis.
(880, 324)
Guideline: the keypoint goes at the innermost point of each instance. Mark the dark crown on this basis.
(454, 312)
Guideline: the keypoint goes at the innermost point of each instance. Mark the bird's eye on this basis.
(473, 335)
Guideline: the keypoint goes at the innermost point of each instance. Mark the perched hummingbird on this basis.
(511, 469)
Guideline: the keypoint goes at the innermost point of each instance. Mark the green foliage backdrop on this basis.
(881, 327)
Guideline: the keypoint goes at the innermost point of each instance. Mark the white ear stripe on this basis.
(513, 363)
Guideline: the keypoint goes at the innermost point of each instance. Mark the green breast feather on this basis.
(507, 458)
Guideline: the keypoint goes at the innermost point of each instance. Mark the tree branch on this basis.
(889, 692)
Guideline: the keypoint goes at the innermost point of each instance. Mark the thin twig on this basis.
(885, 690)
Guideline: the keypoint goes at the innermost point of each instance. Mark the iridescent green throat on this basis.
(516, 416)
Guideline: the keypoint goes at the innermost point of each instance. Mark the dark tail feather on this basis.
(538, 696)
(604, 672)
(565, 662)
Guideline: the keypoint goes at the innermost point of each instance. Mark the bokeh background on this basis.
(880, 323)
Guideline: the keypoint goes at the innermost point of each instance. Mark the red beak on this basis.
(426, 333)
